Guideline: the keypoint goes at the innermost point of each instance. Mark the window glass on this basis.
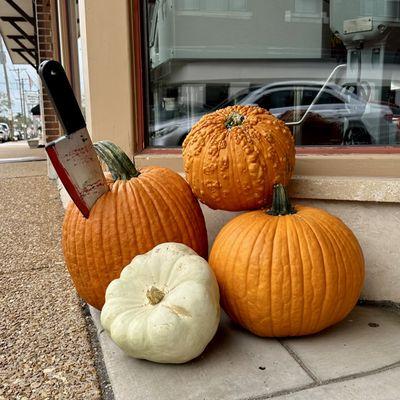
(307, 6)
(188, 4)
(326, 97)
(204, 55)
(238, 5)
(275, 99)
(217, 5)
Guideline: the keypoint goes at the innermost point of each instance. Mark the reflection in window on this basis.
(307, 6)
(217, 5)
(238, 5)
(204, 55)
(276, 99)
(211, 5)
(381, 8)
(188, 5)
(325, 98)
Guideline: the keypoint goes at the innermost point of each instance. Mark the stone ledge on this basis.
(351, 188)
(380, 182)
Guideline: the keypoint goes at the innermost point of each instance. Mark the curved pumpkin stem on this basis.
(154, 295)
(280, 202)
(234, 119)
(119, 164)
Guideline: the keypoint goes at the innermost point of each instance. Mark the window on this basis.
(307, 6)
(212, 5)
(275, 99)
(326, 97)
(238, 5)
(187, 5)
(204, 55)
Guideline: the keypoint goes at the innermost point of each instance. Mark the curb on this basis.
(101, 369)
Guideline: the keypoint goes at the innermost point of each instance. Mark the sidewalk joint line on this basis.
(299, 361)
(339, 379)
(362, 374)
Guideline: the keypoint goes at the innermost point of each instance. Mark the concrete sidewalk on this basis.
(45, 351)
(359, 359)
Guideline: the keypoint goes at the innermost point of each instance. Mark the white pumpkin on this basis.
(165, 305)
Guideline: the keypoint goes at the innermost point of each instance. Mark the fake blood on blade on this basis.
(72, 155)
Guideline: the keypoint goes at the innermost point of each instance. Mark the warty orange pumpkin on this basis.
(141, 210)
(286, 271)
(234, 156)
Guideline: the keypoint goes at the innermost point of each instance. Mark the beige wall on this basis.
(105, 32)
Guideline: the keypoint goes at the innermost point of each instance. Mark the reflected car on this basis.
(338, 117)
(357, 122)
(17, 135)
(172, 133)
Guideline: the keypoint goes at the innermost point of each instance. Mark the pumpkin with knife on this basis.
(275, 283)
(142, 209)
(108, 224)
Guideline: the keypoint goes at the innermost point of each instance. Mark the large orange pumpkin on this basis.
(235, 155)
(140, 211)
(287, 272)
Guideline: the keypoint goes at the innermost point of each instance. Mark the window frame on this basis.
(140, 74)
(67, 36)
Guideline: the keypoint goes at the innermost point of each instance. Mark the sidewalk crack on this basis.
(301, 363)
(324, 382)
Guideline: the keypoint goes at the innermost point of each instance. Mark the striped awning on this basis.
(18, 29)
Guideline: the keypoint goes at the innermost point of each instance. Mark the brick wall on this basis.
(46, 48)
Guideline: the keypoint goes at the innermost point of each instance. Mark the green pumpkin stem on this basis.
(280, 202)
(234, 119)
(119, 164)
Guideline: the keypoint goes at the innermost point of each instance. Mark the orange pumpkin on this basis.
(233, 156)
(141, 211)
(287, 272)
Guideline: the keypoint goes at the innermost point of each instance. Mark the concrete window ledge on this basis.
(381, 190)
(350, 188)
(368, 178)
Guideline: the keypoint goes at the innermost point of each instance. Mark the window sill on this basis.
(349, 188)
(350, 177)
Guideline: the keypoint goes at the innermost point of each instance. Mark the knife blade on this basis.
(72, 155)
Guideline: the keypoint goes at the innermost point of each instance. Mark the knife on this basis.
(72, 155)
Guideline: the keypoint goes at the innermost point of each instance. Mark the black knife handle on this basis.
(60, 91)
